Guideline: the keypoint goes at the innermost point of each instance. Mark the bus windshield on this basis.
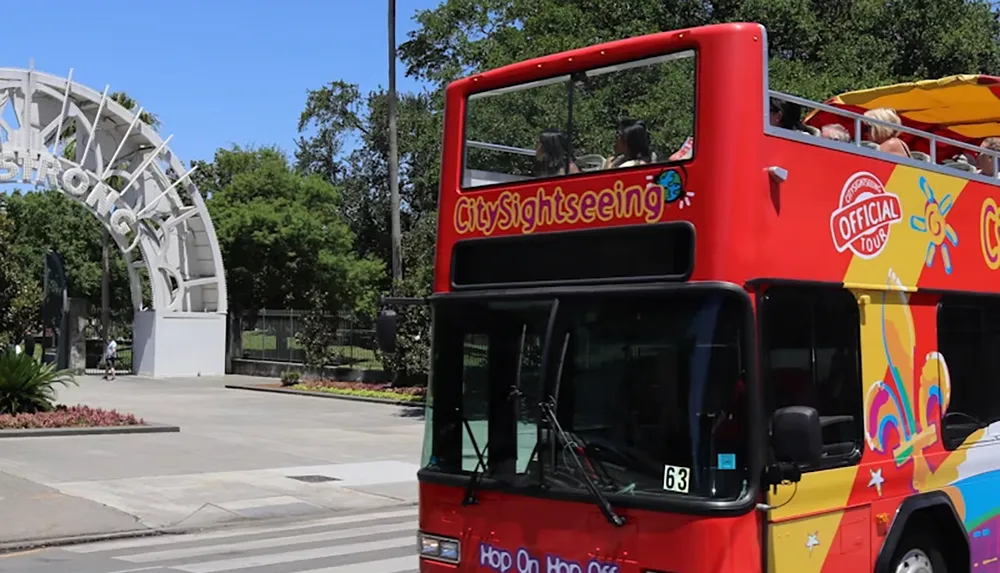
(648, 386)
(620, 116)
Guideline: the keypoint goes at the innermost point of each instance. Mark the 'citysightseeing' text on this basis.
(528, 213)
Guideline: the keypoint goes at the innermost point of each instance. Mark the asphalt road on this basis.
(381, 541)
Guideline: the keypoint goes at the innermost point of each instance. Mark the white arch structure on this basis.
(154, 213)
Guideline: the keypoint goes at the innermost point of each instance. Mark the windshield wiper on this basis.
(470, 490)
(548, 409)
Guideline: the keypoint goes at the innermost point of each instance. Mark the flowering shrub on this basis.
(69, 417)
(364, 389)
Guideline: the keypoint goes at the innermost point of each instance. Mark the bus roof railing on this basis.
(857, 118)
(498, 147)
(860, 118)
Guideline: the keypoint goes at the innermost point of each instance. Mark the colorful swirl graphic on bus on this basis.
(989, 233)
(528, 213)
(933, 223)
(893, 415)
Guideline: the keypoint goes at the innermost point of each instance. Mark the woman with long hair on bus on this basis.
(632, 145)
(551, 154)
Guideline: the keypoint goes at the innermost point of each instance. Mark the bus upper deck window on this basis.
(620, 116)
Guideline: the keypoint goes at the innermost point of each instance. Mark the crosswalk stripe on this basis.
(394, 565)
(293, 556)
(128, 544)
(269, 542)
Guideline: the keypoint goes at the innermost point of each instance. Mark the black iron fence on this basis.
(277, 336)
(94, 359)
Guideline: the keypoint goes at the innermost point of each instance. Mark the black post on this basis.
(55, 311)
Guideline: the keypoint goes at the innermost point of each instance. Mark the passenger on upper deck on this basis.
(883, 136)
(836, 132)
(985, 161)
(632, 145)
(788, 115)
(551, 154)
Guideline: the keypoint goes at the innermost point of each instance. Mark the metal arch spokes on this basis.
(102, 155)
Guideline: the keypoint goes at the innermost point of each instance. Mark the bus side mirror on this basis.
(385, 331)
(796, 435)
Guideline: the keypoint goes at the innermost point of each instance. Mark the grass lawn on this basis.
(355, 356)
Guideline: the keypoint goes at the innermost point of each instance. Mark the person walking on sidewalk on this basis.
(110, 355)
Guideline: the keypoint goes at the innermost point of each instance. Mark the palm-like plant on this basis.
(28, 386)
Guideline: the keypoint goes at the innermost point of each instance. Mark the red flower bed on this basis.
(69, 417)
(362, 386)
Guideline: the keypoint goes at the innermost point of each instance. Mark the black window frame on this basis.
(989, 371)
(812, 292)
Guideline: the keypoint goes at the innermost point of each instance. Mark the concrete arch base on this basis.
(174, 344)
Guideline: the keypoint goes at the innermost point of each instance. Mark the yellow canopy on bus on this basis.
(963, 107)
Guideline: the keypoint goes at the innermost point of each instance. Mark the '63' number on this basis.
(676, 478)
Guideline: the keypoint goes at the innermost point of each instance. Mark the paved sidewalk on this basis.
(236, 458)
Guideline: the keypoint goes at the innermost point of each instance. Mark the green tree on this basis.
(20, 296)
(337, 114)
(48, 219)
(282, 236)
(817, 48)
(411, 361)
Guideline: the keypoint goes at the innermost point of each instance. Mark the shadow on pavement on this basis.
(416, 412)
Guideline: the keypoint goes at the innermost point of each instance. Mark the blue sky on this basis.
(216, 72)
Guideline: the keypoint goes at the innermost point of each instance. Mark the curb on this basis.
(327, 395)
(32, 544)
(29, 544)
(147, 428)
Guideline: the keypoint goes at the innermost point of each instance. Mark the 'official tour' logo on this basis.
(863, 219)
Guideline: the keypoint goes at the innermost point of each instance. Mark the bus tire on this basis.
(927, 523)
(918, 553)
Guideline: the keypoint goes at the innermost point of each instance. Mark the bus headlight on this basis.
(439, 548)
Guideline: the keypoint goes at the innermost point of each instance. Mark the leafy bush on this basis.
(290, 377)
(72, 417)
(28, 386)
(362, 389)
(318, 334)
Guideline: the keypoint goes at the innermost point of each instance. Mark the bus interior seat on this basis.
(812, 130)
(960, 162)
(591, 162)
(920, 156)
(869, 144)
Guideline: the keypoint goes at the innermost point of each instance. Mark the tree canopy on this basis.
(282, 234)
(817, 48)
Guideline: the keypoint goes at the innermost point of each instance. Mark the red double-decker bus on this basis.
(678, 329)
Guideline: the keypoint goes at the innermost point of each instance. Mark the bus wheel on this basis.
(918, 554)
